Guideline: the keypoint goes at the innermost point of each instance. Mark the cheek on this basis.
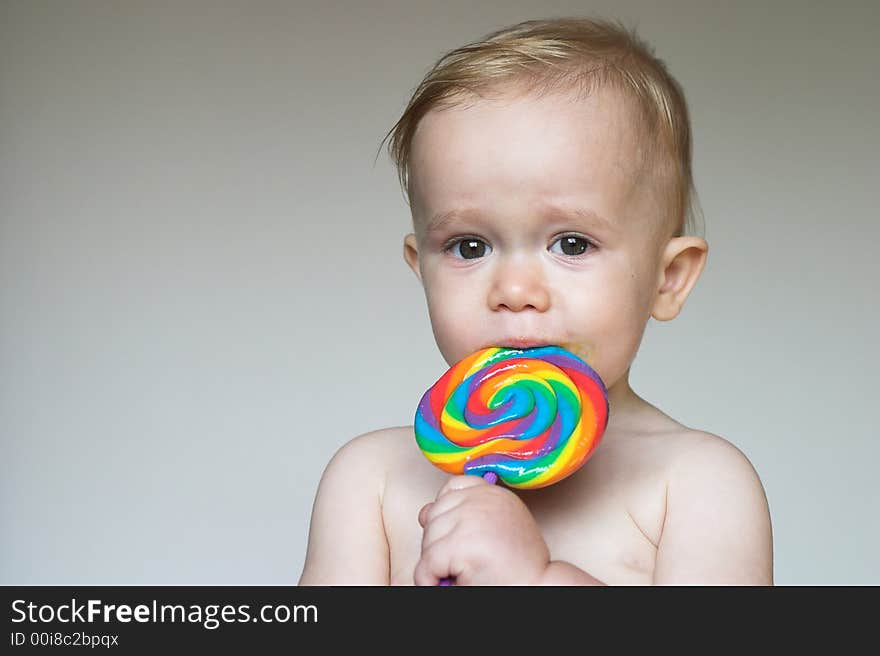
(453, 312)
(613, 316)
(445, 299)
(627, 289)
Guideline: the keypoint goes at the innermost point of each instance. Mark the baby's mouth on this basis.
(583, 351)
(523, 343)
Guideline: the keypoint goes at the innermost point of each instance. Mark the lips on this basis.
(523, 342)
(583, 351)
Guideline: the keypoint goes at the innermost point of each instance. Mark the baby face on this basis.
(532, 227)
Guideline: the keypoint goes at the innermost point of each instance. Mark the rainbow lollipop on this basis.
(529, 417)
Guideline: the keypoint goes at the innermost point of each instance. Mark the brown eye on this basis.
(470, 249)
(570, 245)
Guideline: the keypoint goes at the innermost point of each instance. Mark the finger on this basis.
(439, 527)
(434, 508)
(461, 483)
(423, 514)
(449, 501)
(433, 566)
(422, 575)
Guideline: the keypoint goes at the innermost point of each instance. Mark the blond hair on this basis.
(560, 54)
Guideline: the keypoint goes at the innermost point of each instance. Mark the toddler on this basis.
(548, 173)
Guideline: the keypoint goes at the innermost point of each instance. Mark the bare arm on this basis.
(347, 544)
(560, 572)
(717, 528)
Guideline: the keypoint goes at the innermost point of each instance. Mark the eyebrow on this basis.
(440, 219)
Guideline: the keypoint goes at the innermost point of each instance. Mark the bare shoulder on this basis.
(678, 449)
(368, 460)
(702, 465)
(386, 462)
(717, 528)
(373, 453)
(347, 542)
(700, 454)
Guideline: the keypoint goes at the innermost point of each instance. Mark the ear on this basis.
(411, 254)
(681, 265)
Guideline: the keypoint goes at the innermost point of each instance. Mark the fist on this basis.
(479, 534)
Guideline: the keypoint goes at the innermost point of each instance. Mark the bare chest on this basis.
(606, 523)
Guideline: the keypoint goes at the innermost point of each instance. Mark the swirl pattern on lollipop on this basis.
(532, 416)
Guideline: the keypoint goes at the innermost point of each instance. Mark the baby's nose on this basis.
(518, 284)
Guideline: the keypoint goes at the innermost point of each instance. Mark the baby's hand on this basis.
(479, 534)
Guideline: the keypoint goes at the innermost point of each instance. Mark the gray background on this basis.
(202, 294)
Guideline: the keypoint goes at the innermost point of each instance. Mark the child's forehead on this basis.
(606, 106)
(528, 148)
(557, 131)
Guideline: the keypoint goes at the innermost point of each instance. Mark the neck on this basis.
(622, 401)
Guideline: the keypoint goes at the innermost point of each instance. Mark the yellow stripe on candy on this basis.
(477, 362)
